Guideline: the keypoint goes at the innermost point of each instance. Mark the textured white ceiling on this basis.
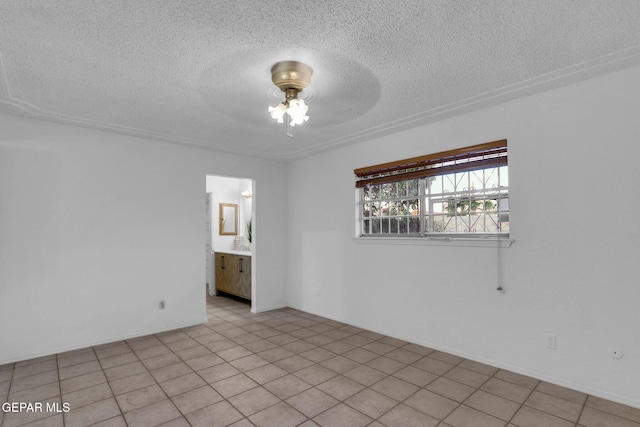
(197, 72)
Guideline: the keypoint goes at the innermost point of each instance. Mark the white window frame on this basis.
(448, 166)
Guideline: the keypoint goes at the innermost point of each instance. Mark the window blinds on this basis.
(481, 156)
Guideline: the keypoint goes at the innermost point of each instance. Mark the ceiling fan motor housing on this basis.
(289, 75)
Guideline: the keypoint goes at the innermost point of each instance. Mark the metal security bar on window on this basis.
(458, 192)
(468, 202)
(391, 208)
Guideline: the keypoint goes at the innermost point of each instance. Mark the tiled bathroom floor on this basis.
(287, 368)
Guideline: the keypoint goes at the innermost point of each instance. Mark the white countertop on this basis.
(234, 252)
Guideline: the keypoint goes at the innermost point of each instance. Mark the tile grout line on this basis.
(113, 394)
(523, 404)
(390, 375)
(476, 389)
(225, 361)
(259, 385)
(241, 321)
(158, 383)
(13, 370)
(280, 400)
(510, 421)
(360, 364)
(64, 421)
(582, 408)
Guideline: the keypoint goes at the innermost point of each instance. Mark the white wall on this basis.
(246, 207)
(96, 228)
(225, 190)
(573, 270)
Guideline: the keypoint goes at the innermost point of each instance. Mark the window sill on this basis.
(479, 242)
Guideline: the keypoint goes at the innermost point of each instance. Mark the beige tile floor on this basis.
(287, 368)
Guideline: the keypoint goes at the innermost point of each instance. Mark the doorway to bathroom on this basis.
(230, 214)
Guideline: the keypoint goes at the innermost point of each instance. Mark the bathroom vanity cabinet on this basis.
(233, 274)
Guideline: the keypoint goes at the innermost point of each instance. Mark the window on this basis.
(463, 192)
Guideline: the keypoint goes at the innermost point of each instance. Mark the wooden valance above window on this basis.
(481, 156)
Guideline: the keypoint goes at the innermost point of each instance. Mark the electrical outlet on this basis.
(551, 342)
(161, 305)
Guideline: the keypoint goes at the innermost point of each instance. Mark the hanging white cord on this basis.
(289, 128)
(499, 287)
(499, 267)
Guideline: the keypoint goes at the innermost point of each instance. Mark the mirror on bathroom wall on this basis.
(228, 219)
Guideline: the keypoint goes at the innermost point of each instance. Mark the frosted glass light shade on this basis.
(297, 111)
(278, 112)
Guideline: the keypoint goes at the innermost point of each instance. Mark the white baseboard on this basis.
(99, 342)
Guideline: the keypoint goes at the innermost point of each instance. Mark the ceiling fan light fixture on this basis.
(291, 77)
(297, 110)
(278, 112)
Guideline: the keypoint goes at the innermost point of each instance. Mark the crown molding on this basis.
(592, 68)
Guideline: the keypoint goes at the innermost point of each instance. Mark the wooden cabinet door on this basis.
(244, 264)
(226, 272)
(233, 274)
(220, 270)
